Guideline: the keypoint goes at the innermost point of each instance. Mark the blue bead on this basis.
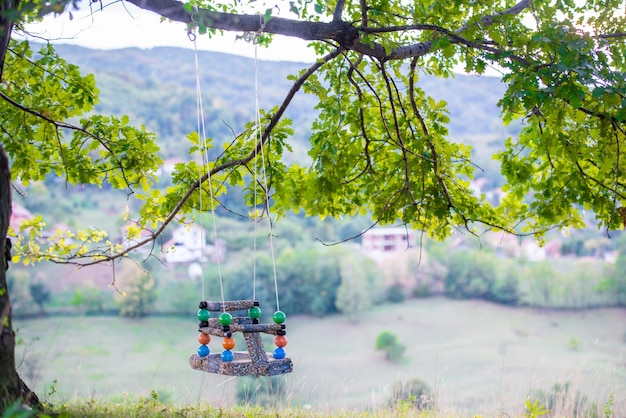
(227, 356)
(204, 350)
(279, 353)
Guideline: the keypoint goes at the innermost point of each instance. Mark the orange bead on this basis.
(280, 341)
(204, 338)
(228, 343)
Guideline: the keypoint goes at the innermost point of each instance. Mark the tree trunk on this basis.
(8, 12)
(12, 388)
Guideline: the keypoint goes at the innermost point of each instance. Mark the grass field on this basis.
(477, 357)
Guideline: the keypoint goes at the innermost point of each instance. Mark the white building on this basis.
(378, 241)
(188, 244)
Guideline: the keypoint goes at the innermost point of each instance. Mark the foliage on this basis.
(608, 406)
(17, 410)
(391, 345)
(476, 275)
(535, 409)
(380, 144)
(88, 299)
(40, 293)
(415, 393)
(616, 282)
(137, 291)
(361, 283)
(18, 282)
(395, 293)
(309, 279)
(45, 91)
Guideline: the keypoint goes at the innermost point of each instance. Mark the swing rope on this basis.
(264, 172)
(201, 129)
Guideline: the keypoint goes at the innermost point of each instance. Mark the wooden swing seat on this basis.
(256, 361)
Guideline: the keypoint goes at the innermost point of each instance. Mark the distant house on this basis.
(378, 241)
(189, 244)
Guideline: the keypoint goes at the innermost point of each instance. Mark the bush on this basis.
(388, 342)
(414, 392)
(395, 293)
(89, 300)
(40, 294)
(137, 291)
(476, 275)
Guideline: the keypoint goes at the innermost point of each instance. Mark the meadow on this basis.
(477, 358)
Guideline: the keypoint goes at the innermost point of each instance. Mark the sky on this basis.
(122, 25)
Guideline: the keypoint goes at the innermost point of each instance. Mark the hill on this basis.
(157, 87)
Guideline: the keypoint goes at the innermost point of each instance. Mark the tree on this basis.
(40, 294)
(136, 289)
(380, 145)
(361, 285)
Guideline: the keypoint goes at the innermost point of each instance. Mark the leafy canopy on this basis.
(380, 145)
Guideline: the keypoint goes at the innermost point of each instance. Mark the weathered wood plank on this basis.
(240, 366)
(230, 306)
(240, 324)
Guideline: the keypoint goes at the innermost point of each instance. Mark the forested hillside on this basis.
(157, 87)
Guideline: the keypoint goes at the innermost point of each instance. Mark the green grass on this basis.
(476, 357)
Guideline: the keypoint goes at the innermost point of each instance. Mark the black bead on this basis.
(256, 303)
(226, 328)
(228, 334)
(203, 304)
(282, 326)
(281, 332)
(255, 321)
(203, 324)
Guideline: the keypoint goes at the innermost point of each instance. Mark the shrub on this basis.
(137, 291)
(395, 293)
(89, 299)
(415, 393)
(40, 294)
(476, 275)
(388, 342)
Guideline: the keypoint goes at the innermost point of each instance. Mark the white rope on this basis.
(264, 177)
(205, 163)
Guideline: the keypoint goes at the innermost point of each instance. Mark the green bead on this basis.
(226, 319)
(254, 312)
(279, 317)
(203, 315)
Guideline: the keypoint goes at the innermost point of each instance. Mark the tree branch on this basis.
(338, 10)
(345, 34)
(230, 164)
(69, 126)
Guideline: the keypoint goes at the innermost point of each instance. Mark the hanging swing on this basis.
(255, 361)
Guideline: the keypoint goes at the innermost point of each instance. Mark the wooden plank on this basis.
(230, 306)
(240, 366)
(240, 324)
